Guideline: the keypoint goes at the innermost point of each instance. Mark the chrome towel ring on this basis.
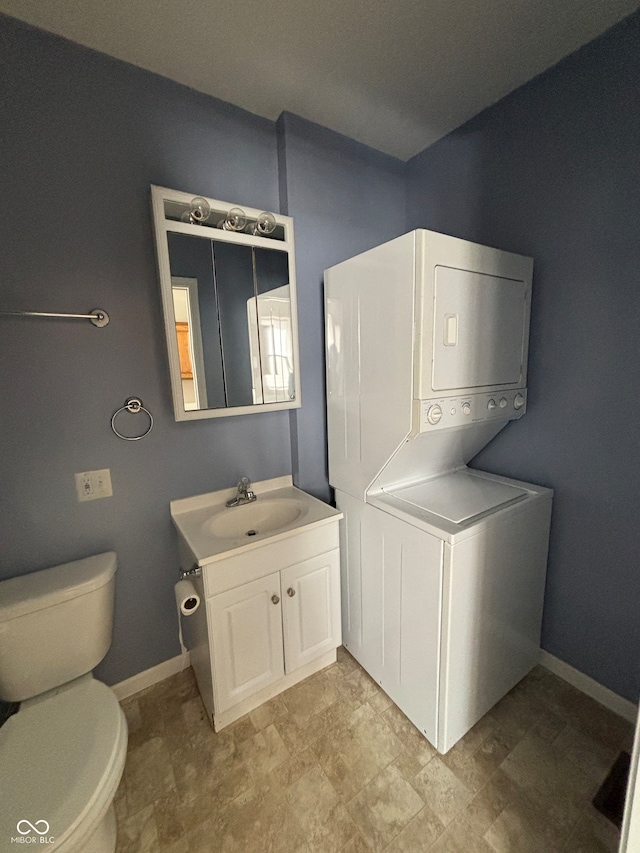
(132, 405)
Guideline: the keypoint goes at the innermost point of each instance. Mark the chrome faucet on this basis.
(244, 495)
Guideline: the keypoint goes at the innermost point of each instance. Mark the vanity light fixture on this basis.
(235, 220)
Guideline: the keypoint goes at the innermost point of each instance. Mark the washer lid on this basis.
(460, 497)
(56, 753)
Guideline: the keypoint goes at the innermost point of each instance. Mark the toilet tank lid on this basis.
(29, 593)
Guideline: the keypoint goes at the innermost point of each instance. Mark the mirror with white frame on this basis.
(227, 278)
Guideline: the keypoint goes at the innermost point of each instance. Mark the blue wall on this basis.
(83, 137)
(553, 171)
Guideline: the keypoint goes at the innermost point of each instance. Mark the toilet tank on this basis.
(55, 625)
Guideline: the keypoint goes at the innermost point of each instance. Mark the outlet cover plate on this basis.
(91, 485)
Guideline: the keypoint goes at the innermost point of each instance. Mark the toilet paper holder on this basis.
(193, 572)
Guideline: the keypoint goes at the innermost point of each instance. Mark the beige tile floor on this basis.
(332, 765)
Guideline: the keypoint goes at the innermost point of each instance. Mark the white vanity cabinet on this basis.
(270, 618)
(268, 575)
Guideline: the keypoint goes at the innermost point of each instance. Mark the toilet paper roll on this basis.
(187, 598)
(187, 602)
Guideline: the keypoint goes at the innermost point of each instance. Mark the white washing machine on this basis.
(443, 567)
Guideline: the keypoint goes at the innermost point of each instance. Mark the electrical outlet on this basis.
(91, 485)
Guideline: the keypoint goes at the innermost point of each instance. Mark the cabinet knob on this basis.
(275, 598)
(291, 592)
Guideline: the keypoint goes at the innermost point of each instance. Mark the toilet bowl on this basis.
(63, 752)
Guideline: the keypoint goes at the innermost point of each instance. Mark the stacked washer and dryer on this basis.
(443, 566)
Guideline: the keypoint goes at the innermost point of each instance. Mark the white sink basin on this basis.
(265, 515)
(212, 531)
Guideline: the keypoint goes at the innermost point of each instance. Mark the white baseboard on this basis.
(622, 707)
(617, 704)
(151, 676)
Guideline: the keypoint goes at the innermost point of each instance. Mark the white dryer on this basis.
(443, 567)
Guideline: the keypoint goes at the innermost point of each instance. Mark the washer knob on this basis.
(466, 408)
(491, 404)
(503, 402)
(434, 414)
(518, 401)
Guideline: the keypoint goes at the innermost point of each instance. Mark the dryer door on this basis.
(480, 330)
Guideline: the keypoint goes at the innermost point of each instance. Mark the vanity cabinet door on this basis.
(311, 609)
(246, 635)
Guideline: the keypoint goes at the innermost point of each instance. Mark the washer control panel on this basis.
(444, 412)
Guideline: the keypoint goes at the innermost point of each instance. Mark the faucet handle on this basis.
(244, 481)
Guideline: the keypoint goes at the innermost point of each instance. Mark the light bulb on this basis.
(265, 224)
(200, 210)
(235, 220)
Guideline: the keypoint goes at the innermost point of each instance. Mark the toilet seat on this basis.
(62, 755)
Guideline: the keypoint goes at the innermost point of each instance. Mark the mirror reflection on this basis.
(229, 303)
(241, 293)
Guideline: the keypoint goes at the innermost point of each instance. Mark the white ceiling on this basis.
(394, 74)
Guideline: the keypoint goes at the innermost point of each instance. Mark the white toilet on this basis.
(62, 754)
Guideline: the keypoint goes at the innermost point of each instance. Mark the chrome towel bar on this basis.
(98, 317)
